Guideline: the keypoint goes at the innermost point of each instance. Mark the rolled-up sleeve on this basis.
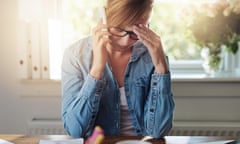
(159, 107)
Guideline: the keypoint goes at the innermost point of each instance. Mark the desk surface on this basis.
(32, 139)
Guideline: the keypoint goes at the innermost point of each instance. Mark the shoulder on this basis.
(80, 47)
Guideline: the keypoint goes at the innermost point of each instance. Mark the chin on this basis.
(123, 47)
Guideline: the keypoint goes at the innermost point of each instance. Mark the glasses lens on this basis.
(117, 31)
(121, 33)
(133, 36)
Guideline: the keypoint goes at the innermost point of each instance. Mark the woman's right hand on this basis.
(101, 41)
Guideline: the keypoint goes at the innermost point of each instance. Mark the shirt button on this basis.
(151, 110)
(155, 83)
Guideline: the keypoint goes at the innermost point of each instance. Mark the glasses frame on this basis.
(130, 33)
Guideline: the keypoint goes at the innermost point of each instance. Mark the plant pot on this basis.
(212, 61)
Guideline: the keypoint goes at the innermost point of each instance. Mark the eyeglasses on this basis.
(116, 31)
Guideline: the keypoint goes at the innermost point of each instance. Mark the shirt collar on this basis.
(138, 49)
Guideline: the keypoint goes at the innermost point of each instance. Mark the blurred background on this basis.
(34, 34)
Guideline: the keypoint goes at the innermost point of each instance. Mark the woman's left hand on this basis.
(153, 42)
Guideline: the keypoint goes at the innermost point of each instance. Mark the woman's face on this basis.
(126, 42)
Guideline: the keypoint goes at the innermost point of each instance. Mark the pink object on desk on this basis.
(96, 137)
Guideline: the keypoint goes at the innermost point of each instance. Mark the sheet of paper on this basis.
(4, 142)
(217, 142)
(70, 141)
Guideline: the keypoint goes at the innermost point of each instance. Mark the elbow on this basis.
(71, 127)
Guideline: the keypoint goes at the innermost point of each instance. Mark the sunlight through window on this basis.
(55, 48)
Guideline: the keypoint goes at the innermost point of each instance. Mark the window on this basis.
(81, 16)
(70, 20)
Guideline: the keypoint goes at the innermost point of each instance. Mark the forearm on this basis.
(80, 108)
(96, 73)
(161, 66)
(159, 107)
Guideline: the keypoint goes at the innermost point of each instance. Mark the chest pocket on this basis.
(141, 87)
(142, 82)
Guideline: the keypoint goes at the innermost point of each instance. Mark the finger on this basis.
(143, 29)
(144, 37)
(99, 28)
(104, 37)
(99, 25)
(109, 45)
(145, 33)
(139, 31)
(99, 33)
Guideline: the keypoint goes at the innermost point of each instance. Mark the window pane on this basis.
(81, 16)
(167, 22)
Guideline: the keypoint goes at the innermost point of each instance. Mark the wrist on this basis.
(96, 73)
(161, 68)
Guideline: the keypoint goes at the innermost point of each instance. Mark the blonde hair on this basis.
(125, 12)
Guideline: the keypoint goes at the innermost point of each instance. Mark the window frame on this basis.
(180, 66)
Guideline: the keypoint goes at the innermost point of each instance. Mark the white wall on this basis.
(8, 66)
(22, 101)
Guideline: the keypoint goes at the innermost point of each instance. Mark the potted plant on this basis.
(212, 26)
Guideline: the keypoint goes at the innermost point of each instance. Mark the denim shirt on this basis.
(87, 102)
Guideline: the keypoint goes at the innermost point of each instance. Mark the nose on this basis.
(127, 39)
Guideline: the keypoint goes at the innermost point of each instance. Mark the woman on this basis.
(118, 78)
